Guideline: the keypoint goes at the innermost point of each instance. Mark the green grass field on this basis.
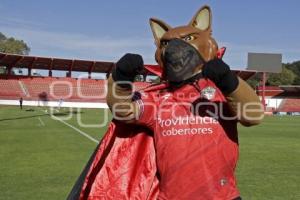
(40, 157)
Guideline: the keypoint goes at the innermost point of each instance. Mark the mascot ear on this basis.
(159, 28)
(202, 19)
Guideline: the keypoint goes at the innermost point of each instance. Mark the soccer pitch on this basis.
(42, 156)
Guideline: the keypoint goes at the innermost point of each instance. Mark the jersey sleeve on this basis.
(147, 109)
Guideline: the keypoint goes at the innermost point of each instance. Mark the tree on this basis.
(12, 45)
(286, 77)
(295, 67)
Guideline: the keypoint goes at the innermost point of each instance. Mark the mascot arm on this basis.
(245, 104)
(119, 100)
(119, 94)
(242, 100)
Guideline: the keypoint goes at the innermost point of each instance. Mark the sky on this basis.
(105, 30)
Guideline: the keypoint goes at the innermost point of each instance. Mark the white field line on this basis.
(76, 129)
(41, 121)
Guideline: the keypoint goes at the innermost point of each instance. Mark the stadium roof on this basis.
(290, 88)
(280, 91)
(48, 63)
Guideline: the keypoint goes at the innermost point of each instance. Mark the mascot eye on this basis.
(189, 38)
(164, 43)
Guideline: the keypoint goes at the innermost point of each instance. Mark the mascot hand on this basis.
(128, 67)
(220, 73)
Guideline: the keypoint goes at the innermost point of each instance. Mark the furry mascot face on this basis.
(182, 51)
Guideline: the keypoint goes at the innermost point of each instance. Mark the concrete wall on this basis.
(55, 104)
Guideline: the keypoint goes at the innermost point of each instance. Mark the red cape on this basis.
(123, 166)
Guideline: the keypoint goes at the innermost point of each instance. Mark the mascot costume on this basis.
(177, 139)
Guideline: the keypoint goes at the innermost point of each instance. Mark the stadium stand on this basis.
(281, 99)
(88, 90)
(289, 105)
(33, 88)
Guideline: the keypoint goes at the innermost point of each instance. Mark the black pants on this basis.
(238, 198)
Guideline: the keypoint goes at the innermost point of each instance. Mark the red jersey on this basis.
(195, 140)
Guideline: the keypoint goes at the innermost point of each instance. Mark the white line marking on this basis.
(41, 121)
(76, 129)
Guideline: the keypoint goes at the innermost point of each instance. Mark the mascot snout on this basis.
(180, 60)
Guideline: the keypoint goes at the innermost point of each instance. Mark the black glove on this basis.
(127, 67)
(220, 73)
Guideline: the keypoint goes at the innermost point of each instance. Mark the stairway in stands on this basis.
(24, 89)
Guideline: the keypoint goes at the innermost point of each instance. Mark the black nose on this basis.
(174, 50)
(175, 44)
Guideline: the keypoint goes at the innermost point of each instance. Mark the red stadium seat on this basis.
(289, 105)
(10, 89)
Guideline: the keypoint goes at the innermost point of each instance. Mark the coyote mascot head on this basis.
(183, 50)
